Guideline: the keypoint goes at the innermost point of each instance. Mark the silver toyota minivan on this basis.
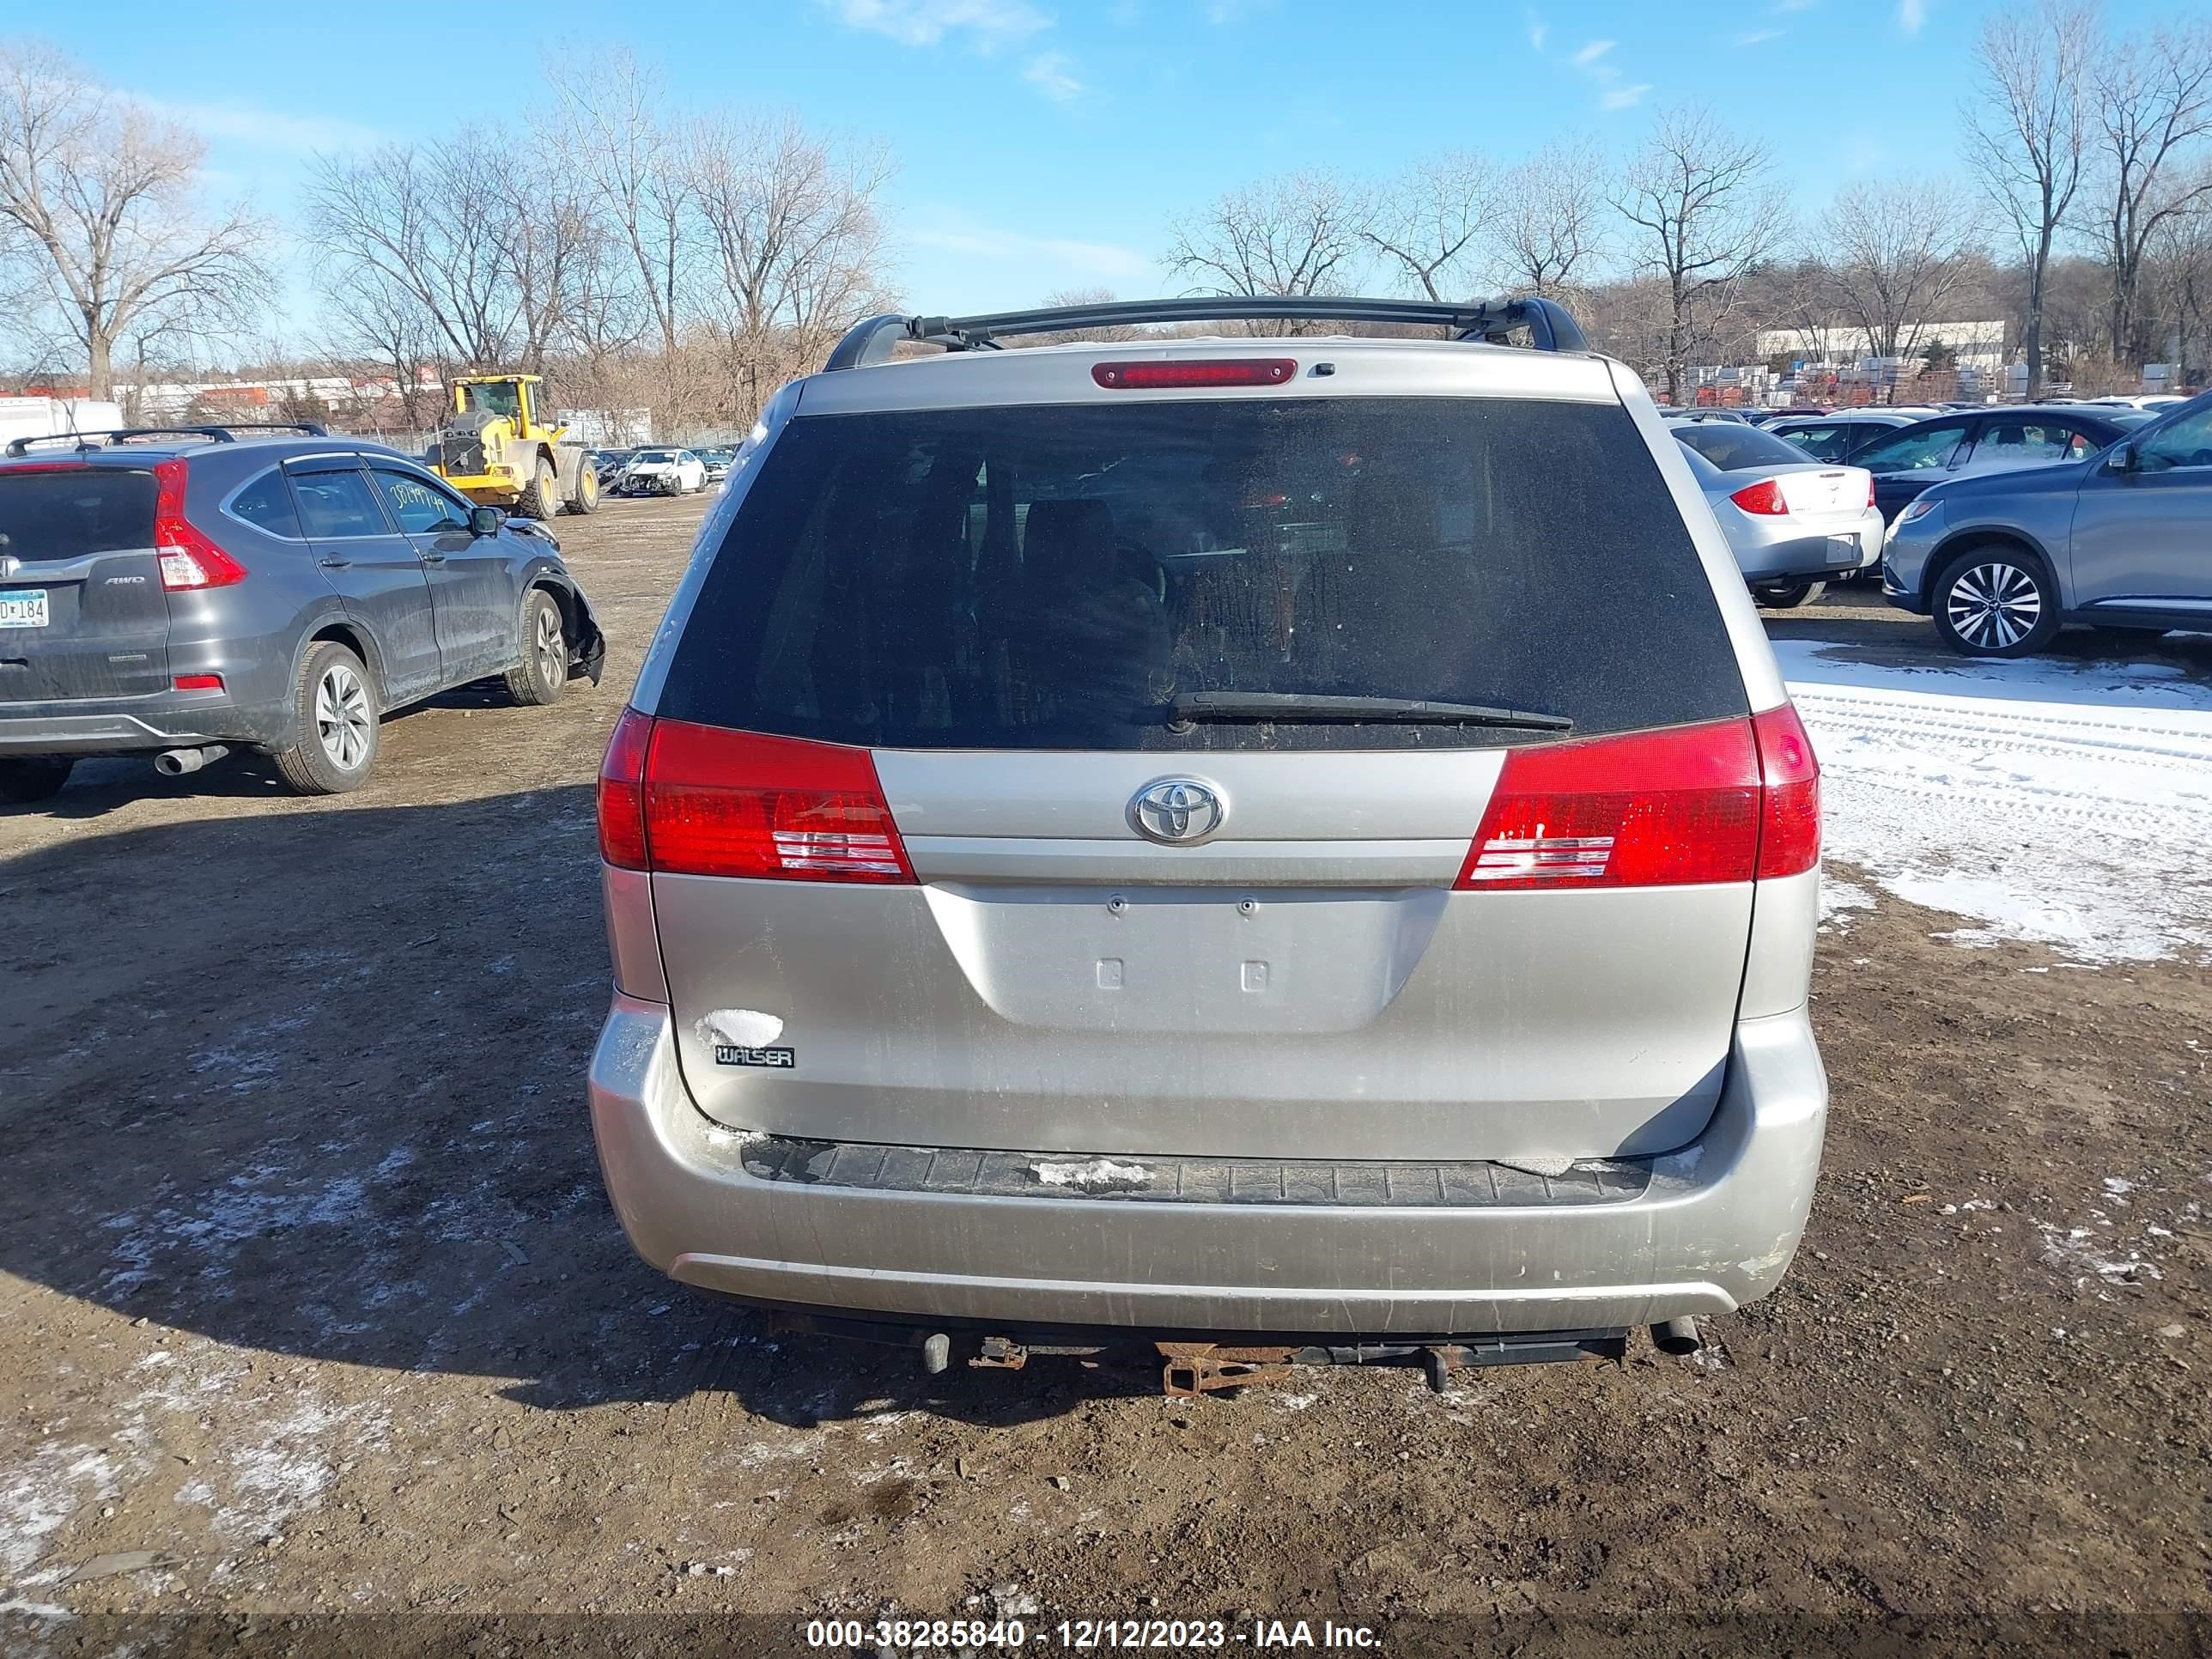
(1285, 839)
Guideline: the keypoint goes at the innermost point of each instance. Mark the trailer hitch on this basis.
(1191, 1369)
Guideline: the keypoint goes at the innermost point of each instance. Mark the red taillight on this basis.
(621, 793)
(1789, 818)
(1656, 809)
(1870, 490)
(1198, 371)
(1765, 496)
(187, 558)
(197, 682)
(720, 802)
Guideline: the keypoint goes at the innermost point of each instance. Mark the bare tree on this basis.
(2026, 137)
(1550, 228)
(1297, 234)
(2184, 262)
(381, 324)
(640, 166)
(1430, 223)
(2152, 100)
(794, 244)
(493, 248)
(1894, 252)
(1703, 214)
(102, 200)
(1083, 296)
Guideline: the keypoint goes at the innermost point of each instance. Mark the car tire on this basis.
(1995, 600)
(1788, 596)
(541, 497)
(37, 778)
(543, 674)
(586, 499)
(334, 721)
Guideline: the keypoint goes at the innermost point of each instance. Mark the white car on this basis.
(662, 472)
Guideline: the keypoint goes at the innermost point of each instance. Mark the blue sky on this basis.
(1044, 145)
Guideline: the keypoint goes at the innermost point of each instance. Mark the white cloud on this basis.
(1754, 37)
(1048, 73)
(988, 24)
(1614, 92)
(1538, 31)
(1065, 261)
(264, 129)
(1911, 15)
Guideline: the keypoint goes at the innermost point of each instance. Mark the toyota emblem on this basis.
(1177, 811)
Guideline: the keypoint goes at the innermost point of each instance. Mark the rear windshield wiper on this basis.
(1305, 707)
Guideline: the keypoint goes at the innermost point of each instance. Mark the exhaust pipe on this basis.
(1677, 1337)
(175, 762)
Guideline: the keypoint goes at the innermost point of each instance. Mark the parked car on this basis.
(717, 463)
(664, 472)
(1299, 836)
(2151, 402)
(2120, 539)
(1730, 416)
(1838, 436)
(609, 464)
(2002, 439)
(184, 592)
(1792, 523)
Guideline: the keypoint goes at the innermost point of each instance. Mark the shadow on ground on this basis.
(310, 1083)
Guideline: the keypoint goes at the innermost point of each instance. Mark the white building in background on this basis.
(47, 418)
(1976, 345)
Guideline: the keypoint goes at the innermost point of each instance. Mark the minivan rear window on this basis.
(1053, 577)
(74, 511)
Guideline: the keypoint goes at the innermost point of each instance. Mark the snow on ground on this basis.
(2049, 800)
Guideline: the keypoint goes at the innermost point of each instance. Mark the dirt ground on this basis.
(308, 1288)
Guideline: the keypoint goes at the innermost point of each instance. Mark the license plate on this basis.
(24, 608)
(1844, 550)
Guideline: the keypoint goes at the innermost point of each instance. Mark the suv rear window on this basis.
(66, 514)
(1049, 578)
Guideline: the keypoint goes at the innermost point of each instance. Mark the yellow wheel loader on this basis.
(501, 447)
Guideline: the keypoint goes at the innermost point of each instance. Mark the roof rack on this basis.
(226, 433)
(1550, 328)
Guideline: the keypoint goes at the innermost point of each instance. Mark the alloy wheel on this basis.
(550, 647)
(1994, 606)
(342, 721)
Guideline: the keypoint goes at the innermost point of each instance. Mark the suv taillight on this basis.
(186, 557)
(1715, 803)
(621, 793)
(699, 800)
(1789, 795)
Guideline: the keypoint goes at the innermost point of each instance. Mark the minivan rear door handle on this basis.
(334, 564)
(434, 558)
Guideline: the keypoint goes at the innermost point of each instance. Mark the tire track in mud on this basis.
(2077, 828)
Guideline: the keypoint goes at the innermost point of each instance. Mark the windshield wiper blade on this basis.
(1304, 707)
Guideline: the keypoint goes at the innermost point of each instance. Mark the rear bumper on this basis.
(124, 725)
(1716, 1226)
(1801, 558)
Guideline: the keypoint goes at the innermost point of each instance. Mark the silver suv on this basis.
(1158, 839)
